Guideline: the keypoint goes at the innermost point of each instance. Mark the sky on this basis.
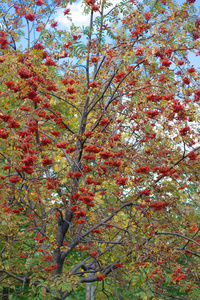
(79, 19)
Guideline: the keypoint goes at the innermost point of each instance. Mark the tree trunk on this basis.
(90, 288)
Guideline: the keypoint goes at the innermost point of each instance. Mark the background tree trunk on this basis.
(5, 293)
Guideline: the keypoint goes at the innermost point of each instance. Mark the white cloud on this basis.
(76, 13)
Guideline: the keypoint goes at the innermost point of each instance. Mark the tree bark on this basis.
(90, 288)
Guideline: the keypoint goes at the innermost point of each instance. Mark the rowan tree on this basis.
(99, 133)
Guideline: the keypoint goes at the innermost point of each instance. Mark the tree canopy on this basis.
(99, 150)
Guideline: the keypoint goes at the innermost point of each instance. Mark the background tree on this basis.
(99, 151)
